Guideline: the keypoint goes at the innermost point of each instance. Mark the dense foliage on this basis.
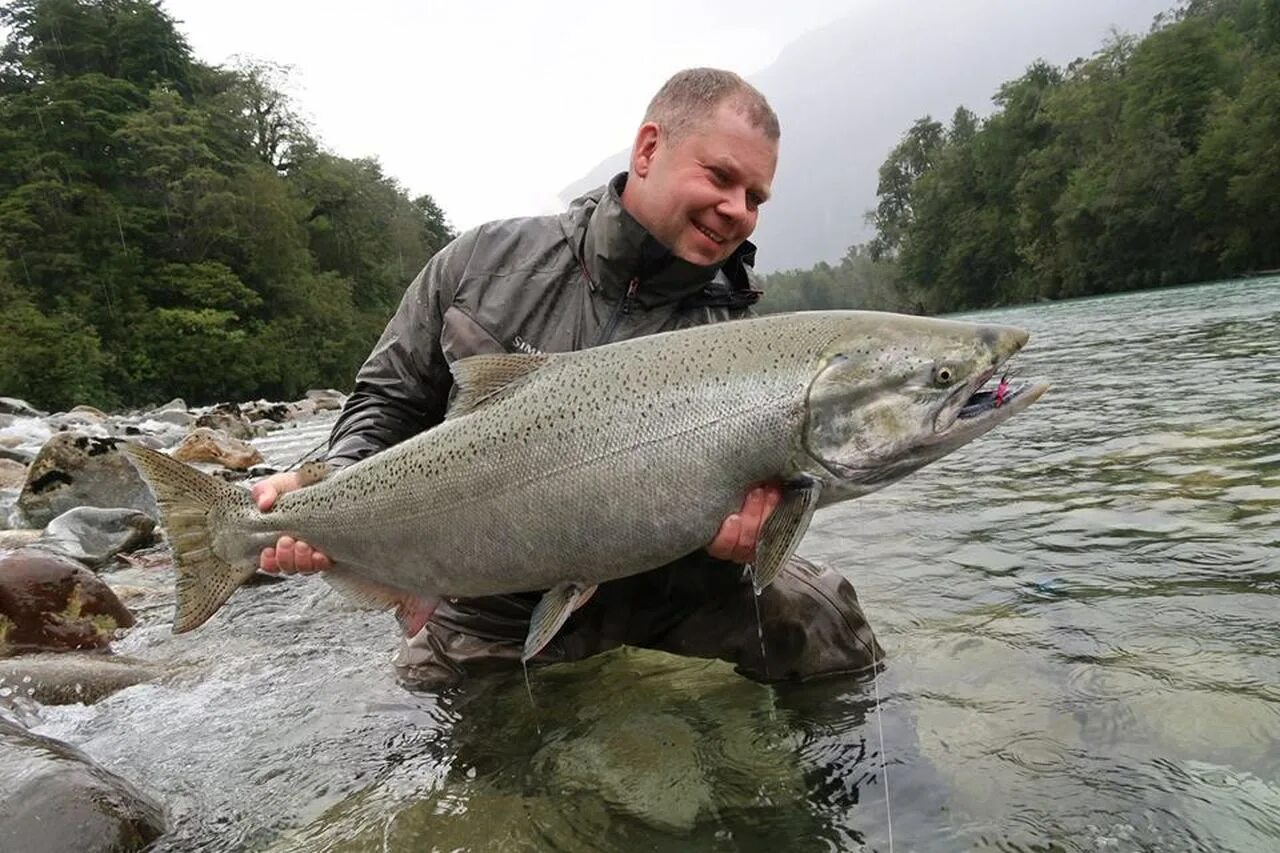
(1154, 162)
(168, 228)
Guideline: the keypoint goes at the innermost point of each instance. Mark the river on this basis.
(1081, 612)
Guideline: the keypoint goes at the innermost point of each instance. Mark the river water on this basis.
(1081, 612)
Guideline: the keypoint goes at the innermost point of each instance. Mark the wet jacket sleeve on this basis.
(403, 387)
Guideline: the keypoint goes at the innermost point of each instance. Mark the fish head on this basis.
(893, 393)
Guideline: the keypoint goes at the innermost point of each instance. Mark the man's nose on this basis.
(734, 205)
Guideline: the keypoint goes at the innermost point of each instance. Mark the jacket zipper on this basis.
(624, 307)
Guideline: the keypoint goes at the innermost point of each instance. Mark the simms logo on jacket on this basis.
(519, 344)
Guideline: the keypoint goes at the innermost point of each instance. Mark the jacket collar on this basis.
(614, 249)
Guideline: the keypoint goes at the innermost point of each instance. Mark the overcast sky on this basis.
(491, 107)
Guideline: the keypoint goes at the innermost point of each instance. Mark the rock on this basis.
(175, 403)
(206, 445)
(14, 406)
(177, 417)
(302, 409)
(71, 678)
(327, 399)
(52, 603)
(84, 414)
(260, 410)
(12, 474)
(10, 539)
(74, 470)
(93, 535)
(229, 421)
(56, 798)
(13, 452)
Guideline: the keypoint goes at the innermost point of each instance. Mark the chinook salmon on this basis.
(559, 472)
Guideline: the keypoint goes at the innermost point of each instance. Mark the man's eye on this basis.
(719, 176)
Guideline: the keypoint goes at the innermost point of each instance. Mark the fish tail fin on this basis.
(188, 499)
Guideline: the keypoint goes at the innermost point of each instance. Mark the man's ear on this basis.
(646, 145)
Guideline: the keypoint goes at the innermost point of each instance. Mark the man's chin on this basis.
(704, 255)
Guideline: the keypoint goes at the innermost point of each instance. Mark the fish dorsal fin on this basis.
(480, 378)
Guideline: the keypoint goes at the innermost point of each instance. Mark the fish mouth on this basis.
(973, 408)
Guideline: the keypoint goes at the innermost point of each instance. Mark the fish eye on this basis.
(943, 375)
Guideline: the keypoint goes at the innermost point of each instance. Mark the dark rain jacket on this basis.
(544, 284)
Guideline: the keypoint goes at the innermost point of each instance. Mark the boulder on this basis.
(12, 474)
(207, 445)
(56, 798)
(302, 409)
(14, 406)
(93, 535)
(82, 415)
(72, 678)
(177, 417)
(262, 410)
(327, 399)
(228, 420)
(74, 470)
(52, 603)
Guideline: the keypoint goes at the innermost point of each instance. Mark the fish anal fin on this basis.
(784, 529)
(551, 613)
(413, 613)
(480, 378)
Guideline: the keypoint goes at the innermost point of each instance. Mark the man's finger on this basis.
(267, 561)
(265, 495)
(284, 554)
(302, 556)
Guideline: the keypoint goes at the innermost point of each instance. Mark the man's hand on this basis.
(740, 532)
(289, 556)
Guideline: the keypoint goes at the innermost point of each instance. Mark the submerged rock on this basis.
(206, 445)
(52, 603)
(56, 798)
(69, 678)
(74, 470)
(93, 535)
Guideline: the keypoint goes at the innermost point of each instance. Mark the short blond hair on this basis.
(690, 96)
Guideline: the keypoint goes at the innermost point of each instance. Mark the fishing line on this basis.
(884, 765)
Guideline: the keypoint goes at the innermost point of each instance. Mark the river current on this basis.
(1081, 612)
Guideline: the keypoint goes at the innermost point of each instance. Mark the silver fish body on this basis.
(583, 467)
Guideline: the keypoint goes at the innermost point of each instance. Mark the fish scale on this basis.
(583, 467)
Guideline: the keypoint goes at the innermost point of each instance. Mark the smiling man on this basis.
(662, 246)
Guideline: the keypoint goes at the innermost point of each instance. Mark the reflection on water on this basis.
(1079, 609)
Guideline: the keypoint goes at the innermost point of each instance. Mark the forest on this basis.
(170, 228)
(1154, 162)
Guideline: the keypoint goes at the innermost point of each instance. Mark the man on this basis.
(662, 246)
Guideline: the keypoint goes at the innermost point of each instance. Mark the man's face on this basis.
(700, 197)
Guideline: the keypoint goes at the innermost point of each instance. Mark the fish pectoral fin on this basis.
(784, 529)
(480, 378)
(412, 610)
(550, 615)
